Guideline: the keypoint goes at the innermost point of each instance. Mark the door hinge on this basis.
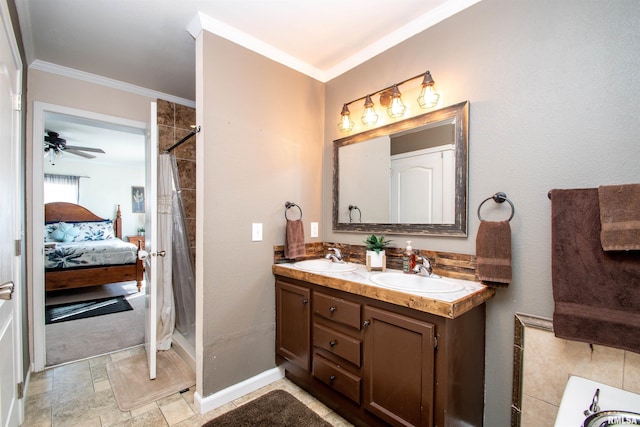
(18, 247)
(17, 102)
(20, 390)
(435, 343)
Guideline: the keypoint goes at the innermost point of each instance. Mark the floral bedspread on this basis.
(89, 253)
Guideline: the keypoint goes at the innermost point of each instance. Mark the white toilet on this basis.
(614, 406)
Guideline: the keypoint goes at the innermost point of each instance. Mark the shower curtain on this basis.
(164, 292)
(184, 279)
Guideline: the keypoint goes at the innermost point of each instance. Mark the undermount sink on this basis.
(416, 283)
(325, 266)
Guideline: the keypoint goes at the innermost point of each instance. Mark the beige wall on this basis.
(553, 104)
(260, 146)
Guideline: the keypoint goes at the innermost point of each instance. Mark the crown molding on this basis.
(201, 22)
(105, 81)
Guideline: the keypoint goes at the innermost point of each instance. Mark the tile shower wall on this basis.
(174, 123)
(547, 363)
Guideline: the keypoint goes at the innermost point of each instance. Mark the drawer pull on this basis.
(366, 323)
(332, 309)
(305, 301)
(332, 378)
(332, 343)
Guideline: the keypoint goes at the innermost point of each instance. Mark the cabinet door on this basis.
(398, 368)
(293, 317)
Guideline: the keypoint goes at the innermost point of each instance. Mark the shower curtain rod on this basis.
(183, 140)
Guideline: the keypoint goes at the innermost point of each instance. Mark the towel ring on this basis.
(289, 205)
(499, 197)
(351, 209)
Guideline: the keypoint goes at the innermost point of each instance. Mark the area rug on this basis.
(84, 309)
(131, 384)
(275, 409)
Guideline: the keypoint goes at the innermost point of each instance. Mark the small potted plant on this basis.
(141, 231)
(376, 258)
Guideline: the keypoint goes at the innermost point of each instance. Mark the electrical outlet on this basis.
(314, 229)
(256, 232)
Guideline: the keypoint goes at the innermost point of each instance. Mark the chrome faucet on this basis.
(423, 267)
(336, 256)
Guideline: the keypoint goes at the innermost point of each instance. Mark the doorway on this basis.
(105, 181)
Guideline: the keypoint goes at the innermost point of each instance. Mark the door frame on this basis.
(35, 246)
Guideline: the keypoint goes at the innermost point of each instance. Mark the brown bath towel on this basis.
(493, 252)
(596, 293)
(620, 217)
(294, 239)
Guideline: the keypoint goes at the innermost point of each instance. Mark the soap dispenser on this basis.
(408, 259)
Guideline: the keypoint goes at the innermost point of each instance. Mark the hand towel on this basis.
(294, 239)
(620, 217)
(596, 293)
(493, 253)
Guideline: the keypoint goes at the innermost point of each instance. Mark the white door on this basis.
(10, 336)
(151, 239)
(416, 188)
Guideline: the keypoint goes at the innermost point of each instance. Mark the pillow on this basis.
(94, 230)
(64, 233)
(48, 229)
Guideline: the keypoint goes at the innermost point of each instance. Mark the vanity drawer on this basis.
(337, 378)
(337, 309)
(337, 343)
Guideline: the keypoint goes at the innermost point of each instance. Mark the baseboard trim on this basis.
(235, 391)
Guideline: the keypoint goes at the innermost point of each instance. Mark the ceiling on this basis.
(146, 43)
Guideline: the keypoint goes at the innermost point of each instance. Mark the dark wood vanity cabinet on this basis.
(376, 363)
(293, 336)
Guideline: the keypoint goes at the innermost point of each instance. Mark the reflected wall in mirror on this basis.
(407, 177)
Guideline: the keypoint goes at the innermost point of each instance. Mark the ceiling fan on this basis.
(54, 145)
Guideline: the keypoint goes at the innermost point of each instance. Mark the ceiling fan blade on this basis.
(93, 150)
(80, 153)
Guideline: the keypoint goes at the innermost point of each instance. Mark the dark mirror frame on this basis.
(458, 115)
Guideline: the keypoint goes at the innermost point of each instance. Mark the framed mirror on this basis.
(408, 177)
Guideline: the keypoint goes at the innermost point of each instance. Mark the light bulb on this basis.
(345, 124)
(369, 117)
(428, 96)
(396, 107)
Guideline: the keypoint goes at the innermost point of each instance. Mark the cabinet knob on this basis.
(332, 378)
(332, 343)
(305, 301)
(332, 309)
(366, 323)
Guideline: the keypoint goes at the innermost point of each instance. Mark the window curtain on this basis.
(61, 188)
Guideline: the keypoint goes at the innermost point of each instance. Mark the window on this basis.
(61, 188)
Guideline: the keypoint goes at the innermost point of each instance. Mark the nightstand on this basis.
(136, 240)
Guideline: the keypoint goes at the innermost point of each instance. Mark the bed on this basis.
(83, 250)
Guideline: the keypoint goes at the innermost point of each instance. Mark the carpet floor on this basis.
(275, 409)
(132, 387)
(79, 339)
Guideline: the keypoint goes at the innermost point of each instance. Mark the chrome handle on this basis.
(366, 323)
(305, 301)
(332, 343)
(159, 253)
(332, 378)
(332, 309)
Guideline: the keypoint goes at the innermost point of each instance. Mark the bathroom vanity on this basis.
(380, 356)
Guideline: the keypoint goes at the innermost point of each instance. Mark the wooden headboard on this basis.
(63, 211)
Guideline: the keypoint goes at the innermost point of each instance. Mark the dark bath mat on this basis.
(275, 409)
(83, 309)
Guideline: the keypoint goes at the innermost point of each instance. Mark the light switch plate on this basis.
(256, 232)
(314, 229)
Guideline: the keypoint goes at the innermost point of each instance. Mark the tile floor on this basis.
(79, 395)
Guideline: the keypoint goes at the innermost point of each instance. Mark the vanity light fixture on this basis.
(391, 99)
(345, 124)
(428, 96)
(369, 117)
